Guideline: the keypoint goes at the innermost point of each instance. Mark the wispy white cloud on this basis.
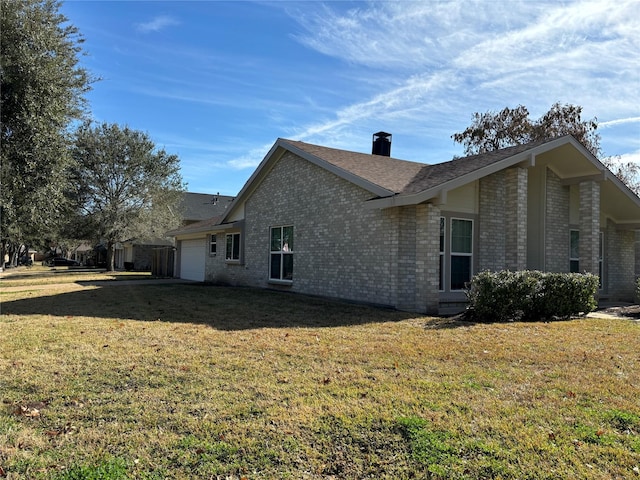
(251, 159)
(619, 121)
(446, 60)
(157, 23)
(631, 157)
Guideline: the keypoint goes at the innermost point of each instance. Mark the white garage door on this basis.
(192, 254)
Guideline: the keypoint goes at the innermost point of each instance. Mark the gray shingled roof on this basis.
(431, 176)
(196, 227)
(392, 181)
(402, 176)
(390, 173)
(199, 206)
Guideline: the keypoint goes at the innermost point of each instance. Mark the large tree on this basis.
(126, 188)
(42, 88)
(494, 130)
(627, 171)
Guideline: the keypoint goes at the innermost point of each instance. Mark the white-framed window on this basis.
(461, 266)
(574, 251)
(442, 244)
(281, 253)
(233, 246)
(213, 245)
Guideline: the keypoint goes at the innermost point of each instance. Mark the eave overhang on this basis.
(183, 232)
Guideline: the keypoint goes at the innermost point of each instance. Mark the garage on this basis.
(192, 254)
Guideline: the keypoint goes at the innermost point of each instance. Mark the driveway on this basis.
(97, 283)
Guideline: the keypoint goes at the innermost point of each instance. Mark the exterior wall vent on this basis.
(381, 144)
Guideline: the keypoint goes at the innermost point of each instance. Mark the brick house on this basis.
(375, 229)
(142, 253)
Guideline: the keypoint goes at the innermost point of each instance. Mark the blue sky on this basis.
(218, 82)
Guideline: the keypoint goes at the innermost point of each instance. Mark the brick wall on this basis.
(428, 258)
(406, 258)
(491, 223)
(502, 237)
(341, 249)
(637, 249)
(516, 198)
(589, 226)
(556, 225)
(620, 258)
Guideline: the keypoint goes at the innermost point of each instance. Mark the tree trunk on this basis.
(110, 265)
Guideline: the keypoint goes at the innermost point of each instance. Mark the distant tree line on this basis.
(63, 184)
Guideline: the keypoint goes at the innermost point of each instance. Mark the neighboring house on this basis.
(374, 229)
(151, 254)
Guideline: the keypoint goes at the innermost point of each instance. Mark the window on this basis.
(574, 251)
(461, 252)
(441, 272)
(213, 245)
(233, 246)
(281, 257)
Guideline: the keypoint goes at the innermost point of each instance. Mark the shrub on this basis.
(638, 290)
(530, 295)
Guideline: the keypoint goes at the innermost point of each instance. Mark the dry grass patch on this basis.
(39, 275)
(189, 381)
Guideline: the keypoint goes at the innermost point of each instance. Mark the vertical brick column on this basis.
(406, 259)
(421, 257)
(621, 258)
(491, 223)
(516, 180)
(556, 235)
(589, 226)
(637, 253)
(427, 258)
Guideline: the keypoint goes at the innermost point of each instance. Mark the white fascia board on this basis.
(190, 236)
(198, 232)
(526, 158)
(607, 174)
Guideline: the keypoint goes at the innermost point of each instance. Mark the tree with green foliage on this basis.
(491, 131)
(126, 188)
(42, 88)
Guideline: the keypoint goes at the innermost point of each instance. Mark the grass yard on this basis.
(189, 381)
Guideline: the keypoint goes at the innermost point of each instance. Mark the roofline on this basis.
(526, 158)
(204, 229)
(284, 145)
(248, 184)
(340, 172)
(607, 174)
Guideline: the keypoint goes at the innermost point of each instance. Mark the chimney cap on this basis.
(381, 144)
(382, 135)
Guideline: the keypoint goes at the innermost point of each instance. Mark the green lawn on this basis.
(191, 381)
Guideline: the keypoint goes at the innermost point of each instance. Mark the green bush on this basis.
(530, 295)
(638, 290)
